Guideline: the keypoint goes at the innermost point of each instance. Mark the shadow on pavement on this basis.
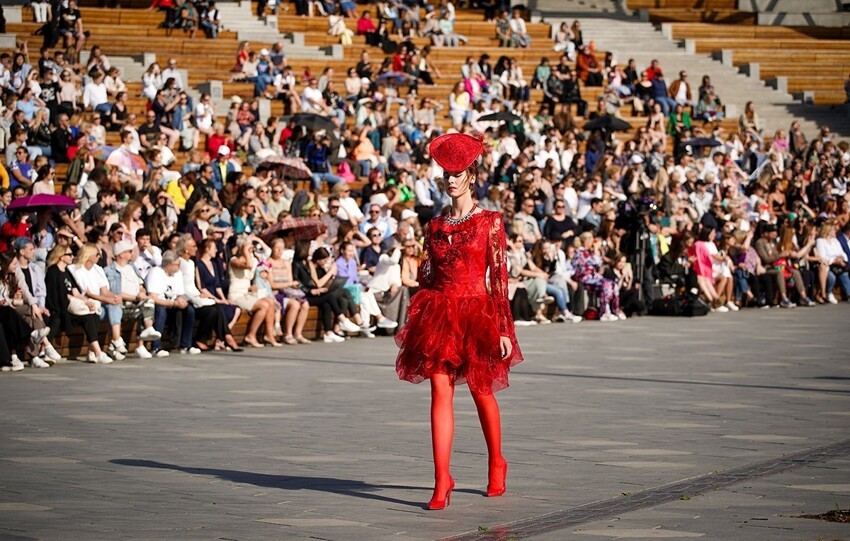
(345, 487)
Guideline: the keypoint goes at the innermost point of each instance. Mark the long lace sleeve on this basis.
(426, 273)
(497, 261)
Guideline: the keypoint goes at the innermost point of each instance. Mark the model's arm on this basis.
(497, 260)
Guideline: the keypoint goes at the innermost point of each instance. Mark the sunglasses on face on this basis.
(334, 207)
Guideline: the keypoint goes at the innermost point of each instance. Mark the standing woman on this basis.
(457, 331)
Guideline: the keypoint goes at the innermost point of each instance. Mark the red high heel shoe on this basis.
(494, 492)
(436, 505)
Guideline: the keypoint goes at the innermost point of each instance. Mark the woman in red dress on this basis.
(458, 331)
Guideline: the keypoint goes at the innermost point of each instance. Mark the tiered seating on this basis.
(708, 11)
(812, 59)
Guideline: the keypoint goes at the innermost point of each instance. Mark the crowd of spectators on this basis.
(171, 231)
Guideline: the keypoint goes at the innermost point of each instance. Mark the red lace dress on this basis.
(454, 324)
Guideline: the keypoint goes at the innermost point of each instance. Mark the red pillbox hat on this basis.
(454, 152)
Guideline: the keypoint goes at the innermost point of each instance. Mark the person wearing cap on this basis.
(165, 287)
(349, 210)
(136, 305)
(457, 331)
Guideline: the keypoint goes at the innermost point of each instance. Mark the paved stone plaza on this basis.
(323, 442)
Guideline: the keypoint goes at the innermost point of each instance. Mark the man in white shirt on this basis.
(149, 255)
(701, 199)
(376, 220)
(348, 208)
(312, 100)
(171, 72)
(549, 152)
(165, 286)
(531, 229)
(136, 304)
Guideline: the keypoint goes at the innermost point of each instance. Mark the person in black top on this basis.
(559, 227)
(61, 139)
(71, 26)
(61, 287)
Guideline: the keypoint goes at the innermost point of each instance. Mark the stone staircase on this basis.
(628, 38)
(238, 17)
(797, 12)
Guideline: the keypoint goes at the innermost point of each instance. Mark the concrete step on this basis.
(788, 6)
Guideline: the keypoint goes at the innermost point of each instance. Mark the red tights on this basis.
(443, 426)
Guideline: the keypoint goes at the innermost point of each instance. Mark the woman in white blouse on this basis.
(829, 250)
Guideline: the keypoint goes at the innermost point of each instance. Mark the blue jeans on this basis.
(104, 108)
(330, 178)
(843, 279)
(183, 321)
(742, 285)
(667, 104)
(561, 296)
(261, 82)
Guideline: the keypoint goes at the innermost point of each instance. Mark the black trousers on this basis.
(211, 319)
(329, 306)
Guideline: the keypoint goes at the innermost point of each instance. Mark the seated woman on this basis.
(544, 255)
(533, 279)
(68, 306)
(588, 265)
(829, 250)
(321, 290)
(21, 337)
(348, 268)
(244, 294)
(289, 295)
(211, 282)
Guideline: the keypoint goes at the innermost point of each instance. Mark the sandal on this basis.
(302, 340)
(290, 340)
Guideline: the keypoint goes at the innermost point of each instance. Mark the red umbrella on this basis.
(305, 228)
(291, 168)
(41, 201)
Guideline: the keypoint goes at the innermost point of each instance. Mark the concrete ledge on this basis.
(778, 83)
(13, 14)
(725, 57)
(643, 15)
(691, 46)
(808, 96)
(667, 31)
(751, 70)
(8, 41)
(150, 58)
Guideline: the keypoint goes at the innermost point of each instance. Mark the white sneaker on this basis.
(103, 358)
(608, 316)
(572, 318)
(161, 353)
(523, 323)
(721, 309)
(732, 306)
(90, 358)
(387, 323)
(150, 334)
(366, 333)
(621, 316)
(143, 353)
(118, 345)
(39, 334)
(332, 338)
(832, 299)
(560, 318)
(190, 351)
(348, 326)
(38, 362)
(116, 354)
(16, 365)
(51, 353)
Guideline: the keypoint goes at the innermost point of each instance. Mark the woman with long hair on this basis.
(289, 295)
(68, 306)
(457, 331)
(17, 333)
(244, 294)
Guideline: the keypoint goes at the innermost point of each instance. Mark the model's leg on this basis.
(442, 432)
(491, 425)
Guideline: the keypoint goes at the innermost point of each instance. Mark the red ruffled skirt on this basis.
(454, 335)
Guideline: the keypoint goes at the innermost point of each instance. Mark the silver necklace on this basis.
(465, 217)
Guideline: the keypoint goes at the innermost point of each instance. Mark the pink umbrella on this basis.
(123, 158)
(41, 201)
